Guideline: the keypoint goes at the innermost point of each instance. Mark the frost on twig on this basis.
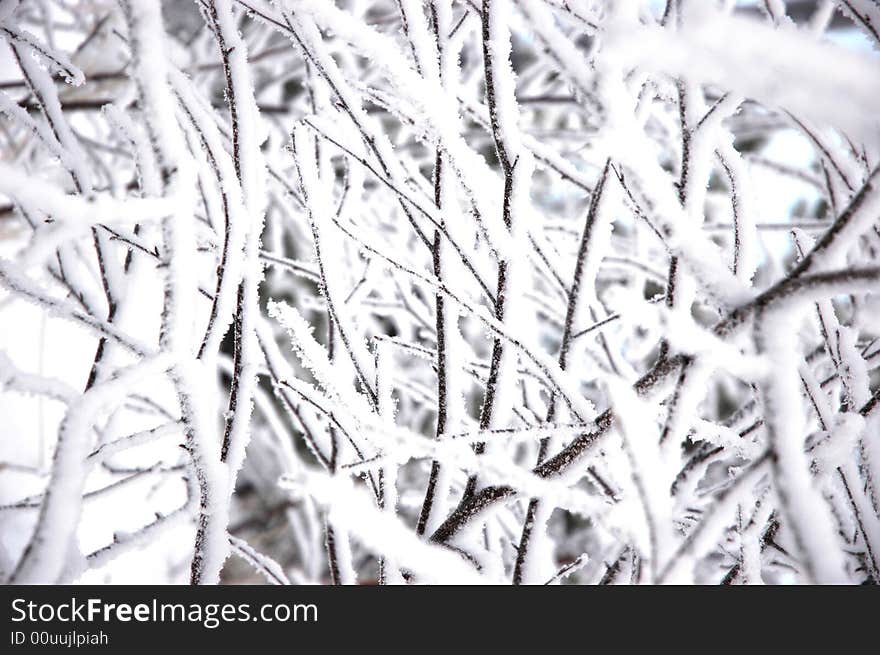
(429, 291)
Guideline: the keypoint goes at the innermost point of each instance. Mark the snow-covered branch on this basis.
(428, 291)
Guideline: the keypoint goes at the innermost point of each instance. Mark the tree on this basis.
(534, 291)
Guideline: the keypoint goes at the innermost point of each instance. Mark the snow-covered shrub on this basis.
(426, 291)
